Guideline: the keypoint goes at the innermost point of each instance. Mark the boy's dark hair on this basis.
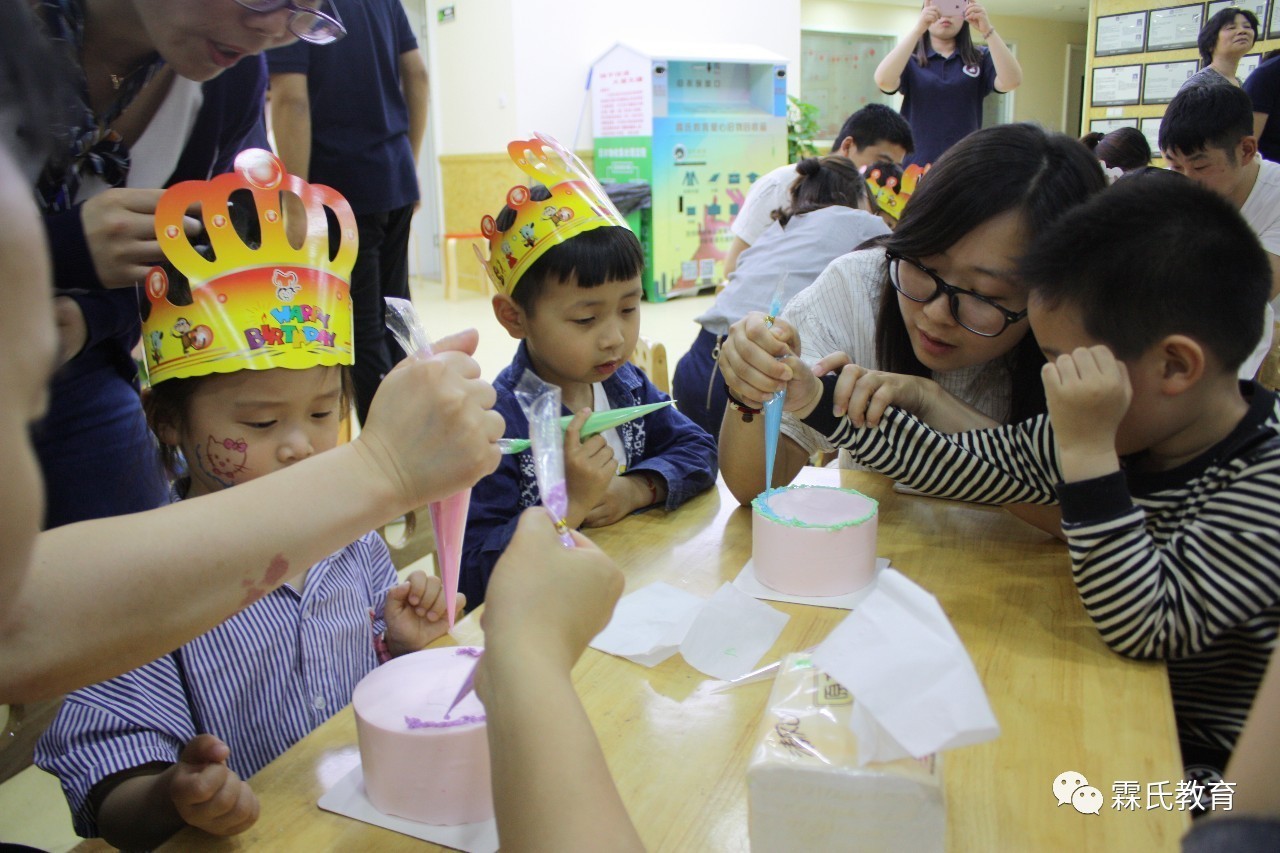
(1208, 38)
(1202, 117)
(824, 182)
(1123, 148)
(1018, 167)
(609, 253)
(167, 404)
(969, 52)
(875, 123)
(1195, 269)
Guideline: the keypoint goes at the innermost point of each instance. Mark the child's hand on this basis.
(864, 394)
(589, 468)
(207, 794)
(624, 496)
(1088, 393)
(416, 614)
(749, 358)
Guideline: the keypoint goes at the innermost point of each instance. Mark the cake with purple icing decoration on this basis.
(813, 540)
(417, 763)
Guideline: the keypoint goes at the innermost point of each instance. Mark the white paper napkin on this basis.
(915, 689)
(731, 633)
(649, 624)
(348, 799)
(751, 585)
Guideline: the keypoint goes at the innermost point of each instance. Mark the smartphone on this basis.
(951, 8)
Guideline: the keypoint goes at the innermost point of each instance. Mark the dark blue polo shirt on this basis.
(942, 101)
(1263, 86)
(359, 121)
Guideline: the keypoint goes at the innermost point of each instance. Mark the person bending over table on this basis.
(963, 361)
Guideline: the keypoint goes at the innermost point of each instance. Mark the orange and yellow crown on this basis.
(251, 307)
(577, 204)
(888, 191)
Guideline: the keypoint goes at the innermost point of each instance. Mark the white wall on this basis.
(505, 68)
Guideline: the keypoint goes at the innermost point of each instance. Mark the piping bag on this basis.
(596, 422)
(773, 406)
(540, 402)
(448, 516)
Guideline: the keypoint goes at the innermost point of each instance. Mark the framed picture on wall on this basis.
(1120, 34)
(1150, 128)
(1118, 86)
(1169, 29)
(1247, 64)
(1257, 7)
(1106, 125)
(1162, 80)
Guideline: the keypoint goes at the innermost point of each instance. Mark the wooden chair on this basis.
(1269, 373)
(651, 357)
(409, 538)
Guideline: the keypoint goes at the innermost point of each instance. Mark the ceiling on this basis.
(1053, 10)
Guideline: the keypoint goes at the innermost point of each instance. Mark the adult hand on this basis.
(749, 357)
(206, 793)
(72, 331)
(545, 601)
(589, 468)
(1088, 394)
(119, 226)
(928, 16)
(431, 430)
(977, 18)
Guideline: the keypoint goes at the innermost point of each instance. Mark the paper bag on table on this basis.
(917, 691)
(807, 791)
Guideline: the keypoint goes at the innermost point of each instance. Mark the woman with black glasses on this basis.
(162, 91)
(932, 314)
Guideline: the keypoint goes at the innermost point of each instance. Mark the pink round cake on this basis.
(416, 763)
(813, 540)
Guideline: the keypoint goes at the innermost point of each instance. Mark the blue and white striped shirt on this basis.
(260, 681)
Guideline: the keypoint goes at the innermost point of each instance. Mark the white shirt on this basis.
(837, 313)
(767, 194)
(1262, 211)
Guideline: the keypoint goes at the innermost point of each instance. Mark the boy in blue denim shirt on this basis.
(567, 271)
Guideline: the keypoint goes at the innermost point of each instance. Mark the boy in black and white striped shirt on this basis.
(1145, 301)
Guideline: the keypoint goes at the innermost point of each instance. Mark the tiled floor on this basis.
(32, 809)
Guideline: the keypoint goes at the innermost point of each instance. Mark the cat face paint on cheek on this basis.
(224, 458)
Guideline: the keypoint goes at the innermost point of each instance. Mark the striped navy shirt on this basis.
(259, 681)
(1180, 565)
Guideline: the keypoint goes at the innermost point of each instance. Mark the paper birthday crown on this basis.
(577, 204)
(891, 186)
(252, 306)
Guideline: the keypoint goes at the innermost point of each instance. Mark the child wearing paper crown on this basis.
(567, 271)
(248, 377)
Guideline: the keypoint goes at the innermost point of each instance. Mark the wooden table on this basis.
(679, 752)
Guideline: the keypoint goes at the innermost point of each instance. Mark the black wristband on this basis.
(748, 412)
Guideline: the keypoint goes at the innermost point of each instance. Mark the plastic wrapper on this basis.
(540, 403)
(806, 792)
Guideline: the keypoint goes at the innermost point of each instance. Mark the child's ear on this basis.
(1182, 364)
(510, 315)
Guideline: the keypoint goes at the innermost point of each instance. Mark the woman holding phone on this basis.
(943, 76)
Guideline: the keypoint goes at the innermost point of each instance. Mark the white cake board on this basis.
(347, 798)
(751, 585)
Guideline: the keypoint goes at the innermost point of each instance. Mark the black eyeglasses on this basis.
(975, 312)
(307, 22)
